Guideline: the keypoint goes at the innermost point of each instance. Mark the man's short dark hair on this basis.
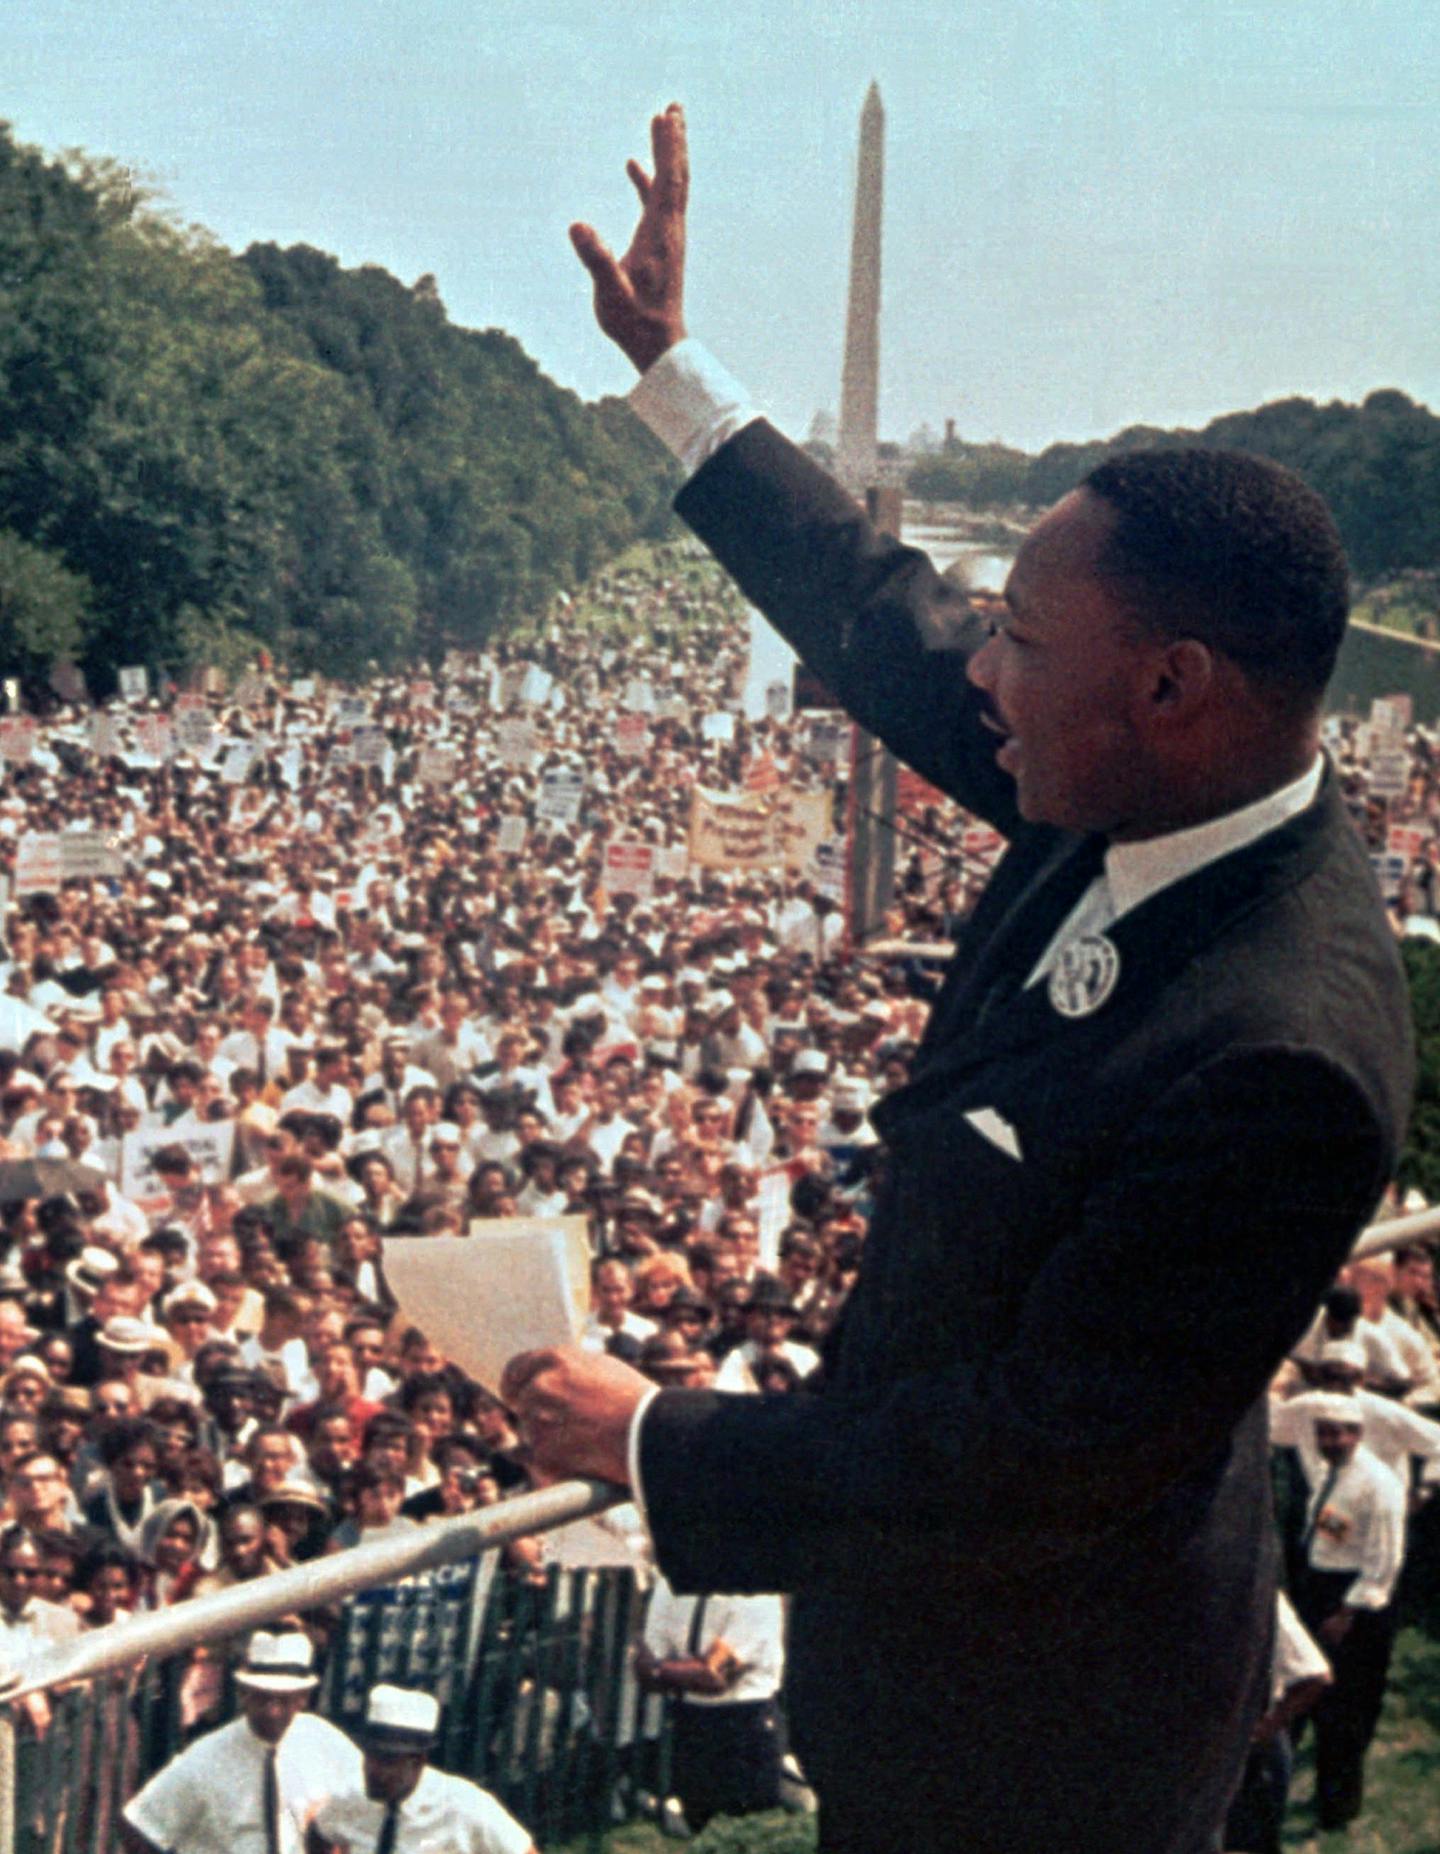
(1233, 550)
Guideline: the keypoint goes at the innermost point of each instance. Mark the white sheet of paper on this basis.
(512, 1284)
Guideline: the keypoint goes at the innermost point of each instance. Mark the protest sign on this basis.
(639, 696)
(780, 830)
(134, 682)
(88, 854)
(194, 730)
(351, 711)
(510, 840)
(211, 1146)
(632, 735)
(1407, 840)
(1389, 773)
(516, 742)
(37, 864)
(777, 700)
(155, 735)
(1389, 873)
(17, 738)
(1390, 716)
(46, 859)
(239, 758)
(629, 868)
(828, 742)
(303, 689)
(437, 765)
(104, 736)
(367, 746)
(561, 794)
(718, 726)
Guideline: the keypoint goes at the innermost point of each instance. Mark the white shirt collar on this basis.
(1136, 871)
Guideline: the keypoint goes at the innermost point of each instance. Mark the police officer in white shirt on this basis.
(402, 1805)
(255, 1785)
(1352, 1549)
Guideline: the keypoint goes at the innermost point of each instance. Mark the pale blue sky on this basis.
(1097, 211)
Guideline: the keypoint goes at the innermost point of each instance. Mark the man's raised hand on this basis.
(639, 298)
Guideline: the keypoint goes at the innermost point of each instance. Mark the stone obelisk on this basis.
(860, 381)
(870, 824)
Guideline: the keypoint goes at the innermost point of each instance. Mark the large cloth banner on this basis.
(779, 829)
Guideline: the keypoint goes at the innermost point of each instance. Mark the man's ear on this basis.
(1182, 679)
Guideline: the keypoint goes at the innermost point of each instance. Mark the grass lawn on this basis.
(1402, 1809)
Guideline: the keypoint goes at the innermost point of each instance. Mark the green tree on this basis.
(44, 608)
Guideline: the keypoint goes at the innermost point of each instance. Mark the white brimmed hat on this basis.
(399, 1719)
(278, 1663)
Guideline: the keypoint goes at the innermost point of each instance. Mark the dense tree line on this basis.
(1377, 464)
(202, 454)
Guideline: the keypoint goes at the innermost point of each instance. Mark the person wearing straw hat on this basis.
(253, 1786)
(403, 1805)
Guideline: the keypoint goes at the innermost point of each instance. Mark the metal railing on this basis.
(538, 1702)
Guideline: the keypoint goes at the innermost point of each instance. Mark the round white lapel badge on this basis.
(1084, 975)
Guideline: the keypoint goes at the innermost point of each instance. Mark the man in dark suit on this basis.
(1026, 1523)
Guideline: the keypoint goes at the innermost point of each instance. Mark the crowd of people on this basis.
(360, 966)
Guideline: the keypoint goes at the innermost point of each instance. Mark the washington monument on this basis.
(860, 381)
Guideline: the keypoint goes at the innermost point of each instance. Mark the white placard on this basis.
(194, 730)
(632, 735)
(304, 689)
(210, 1144)
(1389, 773)
(510, 840)
(512, 1284)
(351, 711)
(437, 765)
(134, 682)
(38, 869)
(155, 735)
(104, 736)
(561, 795)
(629, 868)
(516, 742)
(718, 726)
(235, 767)
(640, 696)
(368, 745)
(672, 862)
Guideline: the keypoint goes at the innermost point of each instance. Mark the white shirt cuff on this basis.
(691, 403)
(632, 1453)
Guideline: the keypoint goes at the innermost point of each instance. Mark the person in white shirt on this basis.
(1394, 1435)
(1299, 1677)
(722, 1659)
(611, 1291)
(1353, 1549)
(404, 1806)
(255, 1786)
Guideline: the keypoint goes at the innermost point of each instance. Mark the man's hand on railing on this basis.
(574, 1411)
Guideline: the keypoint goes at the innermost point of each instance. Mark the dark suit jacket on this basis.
(1027, 1523)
